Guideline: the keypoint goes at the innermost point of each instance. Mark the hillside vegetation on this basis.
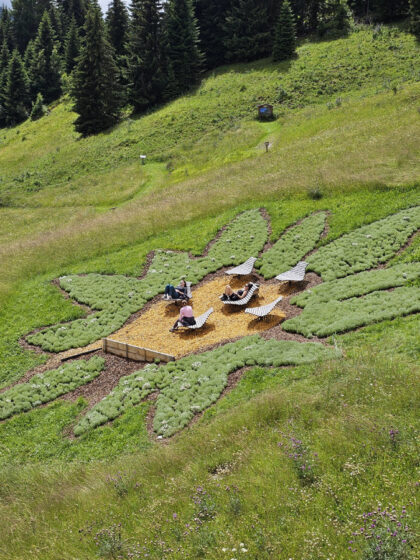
(291, 462)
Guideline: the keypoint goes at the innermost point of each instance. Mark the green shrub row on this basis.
(292, 246)
(117, 297)
(324, 319)
(360, 284)
(365, 247)
(46, 387)
(193, 383)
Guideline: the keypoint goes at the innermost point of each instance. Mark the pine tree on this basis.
(6, 29)
(145, 65)
(48, 80)
(32, 64)
(72, 47)
(4, 64)
(336, 19)
(25, 22)
(415, 18)
(16, 93)
(56, 24)
(117, 26)
(95, 86)
(4, 59)
(211, 16)
(38, 108)
(73, 8)
(285, 35)
(183, 57)
(247, 31)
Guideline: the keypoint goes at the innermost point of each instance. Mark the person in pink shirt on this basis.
(186, 317)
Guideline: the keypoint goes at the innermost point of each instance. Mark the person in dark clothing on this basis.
(180, 292)
(231, 295)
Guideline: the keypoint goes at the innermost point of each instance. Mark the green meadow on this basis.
(287, 463)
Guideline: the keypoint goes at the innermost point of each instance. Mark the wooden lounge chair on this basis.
(243, 269)
(179, 300)
(295, 274)
(246, 299)
(264, 310)
(200, 321)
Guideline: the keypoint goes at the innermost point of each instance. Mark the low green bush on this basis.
(117, 297)
(365, 247)
(292, 246)
(360, 284)
(46, 387)
(188, 386)
(326, 318)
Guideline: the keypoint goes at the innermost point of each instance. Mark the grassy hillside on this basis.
(290, 460)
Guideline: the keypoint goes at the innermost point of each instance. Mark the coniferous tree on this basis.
(48, 80)
(336, 19)
(247, 31)
(38, 108)
(145, 64)
(415, 18)
(6, 29)
(183, 57)
(95, 86)
(4, 59)
(25, 22)
(117, 26)
(56, 23)
(72, 47)
(32, 63)
(4, 64)
(314, 12)
(211, 16)
(73, 8)
(285, 35)
(16, 92)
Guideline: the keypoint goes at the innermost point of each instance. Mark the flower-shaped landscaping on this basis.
(356, 290)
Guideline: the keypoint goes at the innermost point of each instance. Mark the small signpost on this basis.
(143, 159)
(265, 112)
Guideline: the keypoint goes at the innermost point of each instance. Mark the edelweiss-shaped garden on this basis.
(347, 286)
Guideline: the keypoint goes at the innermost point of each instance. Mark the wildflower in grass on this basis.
(205, 507)
(385, 535)
(304, 462)
(119, 482)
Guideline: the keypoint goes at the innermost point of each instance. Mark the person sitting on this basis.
(231, 295)
(186, 317)
(180, 292)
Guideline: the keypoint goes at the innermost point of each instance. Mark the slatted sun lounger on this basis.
(200, 321)
(295, 274)
(245, 300)
(264, 310)
(178, 300)
(243, 269)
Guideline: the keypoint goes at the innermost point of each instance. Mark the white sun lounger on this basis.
(243, 269)
(245, 300)
(200, 321)
(264, 310)
(295, 274)
(176, 300)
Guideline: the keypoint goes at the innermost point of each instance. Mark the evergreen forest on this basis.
(152, 51)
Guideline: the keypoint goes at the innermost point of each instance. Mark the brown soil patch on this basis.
(151, 329)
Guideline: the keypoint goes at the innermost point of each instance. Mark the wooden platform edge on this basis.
(84, 353)
(132, 352)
